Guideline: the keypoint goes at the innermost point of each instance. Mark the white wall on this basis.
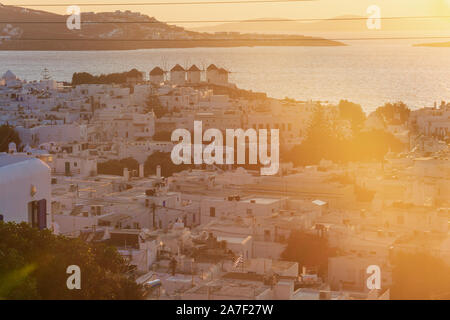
(16, 181)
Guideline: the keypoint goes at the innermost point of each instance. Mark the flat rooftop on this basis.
(8, 159)
(231, 288)
(232, 239)
(261, 200)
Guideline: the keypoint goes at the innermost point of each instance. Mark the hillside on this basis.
(26, 29)
(344, 23)
(287, 25)
(435, 44)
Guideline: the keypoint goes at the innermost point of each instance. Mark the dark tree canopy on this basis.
(162, 136)
(308, 250)
(352, 112)
(8, 135)
(419, 276)
(115, 167)
(163, 159)
(168, 168)
(154, 104)
(394, 113)
(324, 141)
(112, 78)
(33, 265)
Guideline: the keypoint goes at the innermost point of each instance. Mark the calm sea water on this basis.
(367, 73)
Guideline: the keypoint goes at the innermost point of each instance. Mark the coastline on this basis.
(104, 45)
(434, 45)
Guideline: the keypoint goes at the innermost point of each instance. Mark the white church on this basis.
(25, 184)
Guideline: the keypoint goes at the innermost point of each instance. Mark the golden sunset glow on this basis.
(225, 150)
(307, 9)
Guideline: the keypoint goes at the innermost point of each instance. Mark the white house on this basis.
(74, 166)
(25, 190)
(59, 133)
(211, 209)
(349, 272)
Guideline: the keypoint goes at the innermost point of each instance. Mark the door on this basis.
(42, 214)
(38, 214)
(67, 168)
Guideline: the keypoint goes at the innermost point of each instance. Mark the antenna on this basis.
(46, 74)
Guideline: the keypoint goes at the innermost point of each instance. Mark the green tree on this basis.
(112, 78)
(163, 159)
(394, 113)
(321, 142)
(373, 145)
(308, 250)
(153, 103)
(8, 135)
(115, 167)
(33, 265)
(162, 136)
(419, 276)
(324, 141)
(352, 112)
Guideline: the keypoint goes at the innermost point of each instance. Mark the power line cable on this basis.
(157, 3)
(231, 21)
(262, 39)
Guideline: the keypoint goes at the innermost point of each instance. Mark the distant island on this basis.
(344, 24)
(26, 29)
(435, 44)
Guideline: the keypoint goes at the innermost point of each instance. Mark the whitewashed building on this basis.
(25, 190)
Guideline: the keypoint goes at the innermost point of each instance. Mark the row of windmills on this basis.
(181, 76)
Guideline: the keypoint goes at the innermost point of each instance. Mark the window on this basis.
(37, 214)
(212, 212)
(249, 212)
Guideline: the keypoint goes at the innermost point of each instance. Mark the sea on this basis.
(368, 73)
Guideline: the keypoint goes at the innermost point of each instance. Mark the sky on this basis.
(295, 10)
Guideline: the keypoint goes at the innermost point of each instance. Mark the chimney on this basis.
(126, 174)
(158, 171)
(141, 170)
